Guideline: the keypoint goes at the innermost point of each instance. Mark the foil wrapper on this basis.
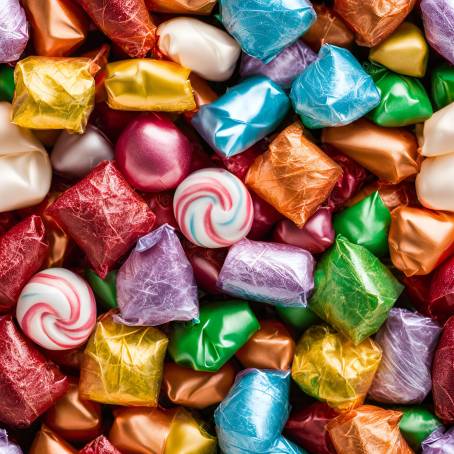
(105, 289)
(272, 273)
(442, 84)
(439, 300)
(7, 446)
(437, 137)
(440, 441)
(100, 445)
(202, 7)
(48, 442)
(13, 31)
(6, 83)
(332, 369)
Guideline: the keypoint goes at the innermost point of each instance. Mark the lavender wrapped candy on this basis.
(439, 442)
(6, 446)
(408, 341)
(271, 273)
(13, 31)
(156, 283)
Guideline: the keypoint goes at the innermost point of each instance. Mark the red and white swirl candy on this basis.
(57, 309)
(213, 208)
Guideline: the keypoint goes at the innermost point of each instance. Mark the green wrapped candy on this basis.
(442, 86)
(104, 289)
(404, 100)
(6, 83)
(224, 327)
(354, 291)
(366, 223)
(298, 317)
(417, 424)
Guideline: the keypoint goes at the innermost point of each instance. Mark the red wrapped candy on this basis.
(23, 250)
(161, 203)
(100, 445)
(441, 293)
(103, 215)
(29, 383)
(265, 216)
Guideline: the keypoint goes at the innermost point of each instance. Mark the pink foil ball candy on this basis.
(13, 31)
(153, 154)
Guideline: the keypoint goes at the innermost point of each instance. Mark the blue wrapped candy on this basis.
(334, 90)
(264, 28)
(241, 117)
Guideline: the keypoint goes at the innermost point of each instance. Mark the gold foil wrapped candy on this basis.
(146, 84)
(332, 369)
(122, 364)
(54, 93)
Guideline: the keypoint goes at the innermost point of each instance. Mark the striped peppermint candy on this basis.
(213, 208)
(57, 309)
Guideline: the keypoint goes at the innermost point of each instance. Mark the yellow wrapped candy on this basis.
(53, 93)
(331, 368)
(122, 364)
(146, 84)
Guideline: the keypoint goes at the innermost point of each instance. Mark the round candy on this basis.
(213, 208)
(57, 309)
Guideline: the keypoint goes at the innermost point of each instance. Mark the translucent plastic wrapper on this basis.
(254, 412)
(7, 446)
(354, 291)
(156, 284)
(294, 175)
(368, 430)
(334, 90)
(266, 272)
(123, 365)
(241, 117)
(13, 31)
(332, 369)
(440, 441)
(408, 341)
(203, 7)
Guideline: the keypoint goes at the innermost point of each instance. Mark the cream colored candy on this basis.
(438, 137)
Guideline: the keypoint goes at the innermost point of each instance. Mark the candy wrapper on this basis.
(14, 31)
(123, 365)
(181, 6)
(48, 442)
(230, 128)
(408, 341)
(442, 84)
(294, 175)
(100, 445)
(349, 97)
(439, 302)
(267, 272)
(7, 446)
(156, 284)
(103, 215)
(284, 22)
(6, 83)
(104, 289)
(332, 369)
(417, 424)
(440, 441)
(223, 328)
(354, 291)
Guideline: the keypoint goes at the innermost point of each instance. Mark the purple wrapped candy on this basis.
(439, 442)
(271, 273)
(6, 446)
(283, 68)
(13, 31)
(438, 18)
(408, 341)
(156, 284)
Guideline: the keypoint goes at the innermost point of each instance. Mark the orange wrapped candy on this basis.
(368, 430)
(181, 6)
(48, 442)
(294, 175)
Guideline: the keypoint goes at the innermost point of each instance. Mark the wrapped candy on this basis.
(123, 365)
(161, 203)
(24, 165)
(230, 128)
(284, 21)
(368, 430)
(100, 445)
(440, 441)
(127, 24)
(272, 273)
(48, 442)
(7, 446)
(13, 31)
(298, 317)
(265, 216)
(405, 51)
(366, 223)
(282, 69)
(354, 291)
(208, 51)
(442, 82)
(389, 153)
(103, 215)
(294, 175)
(332, 369)
(325, 79)
(408, 341)
(59, 27)
(271, 347)
(372, 22)
(419, 239)
(196, 389)
(29, 383)
(53, 93)
(181, 6)
(156, 284)
(440, 298)
(223, 328)
(254, 412)
(6, 83)
(417, 424)
(437, 135)
(404, 100)
(104, 289)
(146, 84)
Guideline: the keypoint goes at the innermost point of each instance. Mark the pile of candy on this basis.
(226, 226)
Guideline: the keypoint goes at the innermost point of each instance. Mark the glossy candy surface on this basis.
(13, 31)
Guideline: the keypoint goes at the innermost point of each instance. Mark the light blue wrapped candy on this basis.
(241, 117)
(334, 90)
(263, 28)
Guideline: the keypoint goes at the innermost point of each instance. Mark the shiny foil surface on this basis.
(442, 82)
(105, 289)
(440, 298)
(100, 445)
(202, 7)
(440, 441)
(332, 369)
(48, 442)
(6, 83)
(13, 31)
(294, 175)
(437, 138)
(417, 424)
(123, 365)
